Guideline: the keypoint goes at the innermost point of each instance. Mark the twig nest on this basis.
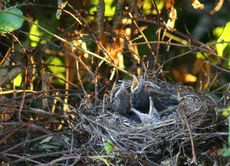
(150, 140)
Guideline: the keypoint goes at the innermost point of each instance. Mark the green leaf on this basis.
(37, 35)
(109, 146)
(224, 36)
(57, 67)
(18, 80)
(10, 19)
(225, 152)
(148, 9)
(225, 112)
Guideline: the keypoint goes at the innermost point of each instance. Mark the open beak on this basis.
(152, 117)
(135, 83)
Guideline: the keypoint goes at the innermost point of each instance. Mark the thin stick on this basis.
(190, 134)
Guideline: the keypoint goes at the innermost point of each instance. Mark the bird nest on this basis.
(177, 132)
(95, 134)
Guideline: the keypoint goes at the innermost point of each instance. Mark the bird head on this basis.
(121, 101)
(122, 90)
(139, 95)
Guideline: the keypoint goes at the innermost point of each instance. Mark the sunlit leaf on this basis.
(57, 67)
(199, 55)
(109, 146)
(172, 19)
(182, 75)
(60, 80)
(190, 78)
(82, 44)
(148, 9)
(10, 20)
(225, 111)
(224, 37)
(109, 9)
(197, 5)
(18, 80)
(37, 35)
(217, 31)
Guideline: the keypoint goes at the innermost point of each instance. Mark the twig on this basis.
(190, 135)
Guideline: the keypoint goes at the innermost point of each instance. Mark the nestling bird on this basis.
(121, 101)
(139, 95)
(152, 116)
(121, 104)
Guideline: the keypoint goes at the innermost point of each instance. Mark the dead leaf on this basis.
(197, 5)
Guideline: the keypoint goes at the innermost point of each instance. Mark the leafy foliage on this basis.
(11, 19)
(109, 146)
(223, 41)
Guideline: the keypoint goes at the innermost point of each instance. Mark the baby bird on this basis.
(152, 116)
(139, 95)
(121, 101)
